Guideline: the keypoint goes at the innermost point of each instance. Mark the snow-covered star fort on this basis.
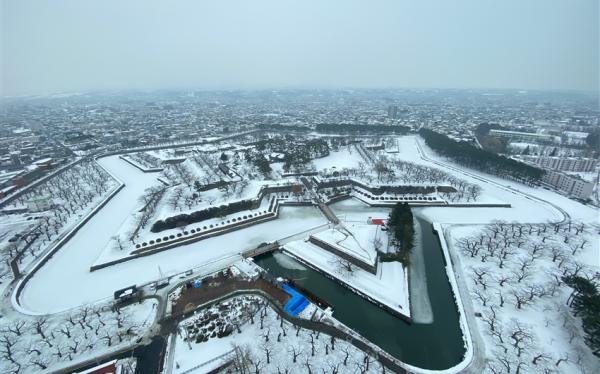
(279, 254)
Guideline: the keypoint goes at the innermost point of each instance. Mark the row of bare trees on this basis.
(395, 171)
(37, 344)
(70, 193)
(280, 346)
(145, 159)
(516, 269)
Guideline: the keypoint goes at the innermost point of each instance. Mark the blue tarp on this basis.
(296, 304)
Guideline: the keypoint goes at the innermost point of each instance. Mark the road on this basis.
(563, 214)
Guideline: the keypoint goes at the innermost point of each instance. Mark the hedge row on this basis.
(201, 215)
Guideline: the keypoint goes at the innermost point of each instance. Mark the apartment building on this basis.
(571, 185)
(574, 164)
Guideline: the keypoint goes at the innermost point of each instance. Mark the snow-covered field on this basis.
(355, 239)
(514, 279)
(51, 343)
(344, 158)
(70, 196)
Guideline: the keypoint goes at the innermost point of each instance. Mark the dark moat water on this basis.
(438, 345)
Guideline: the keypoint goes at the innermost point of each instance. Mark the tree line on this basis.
(365, 129)
(471, 156)
(201, 215)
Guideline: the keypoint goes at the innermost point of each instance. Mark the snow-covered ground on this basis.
(263, 343)
(68, 272)
(113, 252)
(79, 286)
(355, 239)
(528, 204)
(346, 157)
(51, 343)
(516, 287)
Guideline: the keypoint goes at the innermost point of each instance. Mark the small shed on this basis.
(126, 293)
(376, 221)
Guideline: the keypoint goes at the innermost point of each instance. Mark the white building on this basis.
(39, 204)
(523, 136)
(575, 137)
(563, 163)
(569, 184)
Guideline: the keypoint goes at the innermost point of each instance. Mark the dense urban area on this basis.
(292, 231)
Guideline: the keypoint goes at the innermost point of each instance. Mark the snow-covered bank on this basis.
(420, 304)
(388, 287)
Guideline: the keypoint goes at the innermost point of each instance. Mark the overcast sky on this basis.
(79, 45)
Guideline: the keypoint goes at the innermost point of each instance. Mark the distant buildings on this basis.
(39, 204)
(393, 111)
(555, 177)
(523, 136)
(571, 185)
(574, 164)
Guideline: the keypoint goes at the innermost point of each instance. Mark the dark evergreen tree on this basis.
(262, 164)
(593, 139)
(585, 301)
(402, 228)
(466, 154)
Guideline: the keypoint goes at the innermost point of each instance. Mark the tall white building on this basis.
(569, 184)
(523, 136)
(563, 163)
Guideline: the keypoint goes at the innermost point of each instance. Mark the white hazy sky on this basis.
(75, 45)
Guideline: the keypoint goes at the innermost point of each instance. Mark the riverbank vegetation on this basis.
(402, 226)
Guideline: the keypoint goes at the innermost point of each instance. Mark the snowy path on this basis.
(420, 304)
(65, 281)
(529, 204)
(72, 262)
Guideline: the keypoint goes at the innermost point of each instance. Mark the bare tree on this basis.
(343, 266)
(7, 342)
(520, 298)
(563, 358)
(241, 360)
(17, 327)
(481, 295)
(308, 365)
(521, 338)
(346, 351)
(39, 362)
(490, 318)
(295, 353)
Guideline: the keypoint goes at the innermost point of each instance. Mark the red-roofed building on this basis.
(376, 221)
(105, 368)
